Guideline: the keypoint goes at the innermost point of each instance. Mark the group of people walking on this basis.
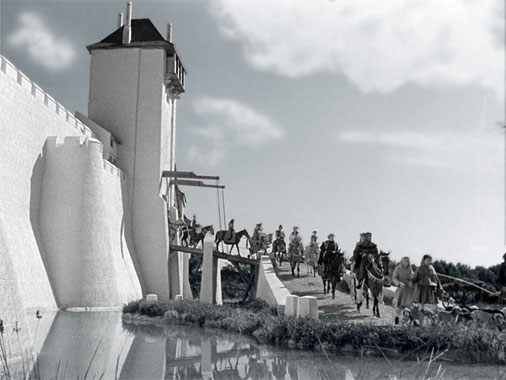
(420, 287)
(416, 286)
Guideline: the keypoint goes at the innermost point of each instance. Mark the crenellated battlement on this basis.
(73, 142)
(10, 70)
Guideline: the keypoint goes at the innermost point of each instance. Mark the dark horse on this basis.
(198, 238)
(334, 267)
(279, 249)
(387, 273)
(373, 282)
(220, 235)
(388, 267)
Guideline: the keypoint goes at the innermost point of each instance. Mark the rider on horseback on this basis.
(328, 247)
(295, 253)
(230, 234)
(314, 238)
(196, 229)
(294, 234)
(280, 234)
(332, 260)
(363, 249)
(256, 239)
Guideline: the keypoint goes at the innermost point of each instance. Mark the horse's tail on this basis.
(218, 236)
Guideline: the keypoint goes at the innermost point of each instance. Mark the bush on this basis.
(132, 307)
(256, 319)
(150, 309)
(233, 286)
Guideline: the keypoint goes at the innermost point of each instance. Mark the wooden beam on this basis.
(218, 254)
(182, 248)
(184, 182)
(234, 258)
(189, 175)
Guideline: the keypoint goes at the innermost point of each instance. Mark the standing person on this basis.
(194, 226)
(426, 285)
(295, 232)
(403, 279)
(311, 252)
(363, 249)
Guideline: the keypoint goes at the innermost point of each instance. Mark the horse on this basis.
(279, 249)
(198, 238)
(334, 268)
(311, 253)
(220, 235)
(373, 282)
(262, 245)
(388, 267)
(295, 253)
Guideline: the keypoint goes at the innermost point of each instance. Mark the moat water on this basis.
(98, 345)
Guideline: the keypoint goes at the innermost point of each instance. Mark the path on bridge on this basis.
(342, 305)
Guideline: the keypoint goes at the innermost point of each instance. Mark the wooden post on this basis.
(209, 268)
(210, 287)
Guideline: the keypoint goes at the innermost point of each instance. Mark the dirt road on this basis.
(342, 306)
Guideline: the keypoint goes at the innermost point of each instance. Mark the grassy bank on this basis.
(257, 320)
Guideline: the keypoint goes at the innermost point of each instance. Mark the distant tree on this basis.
(485, 275)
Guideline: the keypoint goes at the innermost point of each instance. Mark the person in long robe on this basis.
(403, 279)
(426, 285)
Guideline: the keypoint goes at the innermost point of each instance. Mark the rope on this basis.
(224, 214)
(471, 284)
(219, 209)
(223, 200)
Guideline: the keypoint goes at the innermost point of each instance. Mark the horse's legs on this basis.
(366, 291)
(376, 307)
(237, 246)
(334, 283)
(298, 269)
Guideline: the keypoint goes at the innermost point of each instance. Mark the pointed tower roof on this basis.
(144, 34)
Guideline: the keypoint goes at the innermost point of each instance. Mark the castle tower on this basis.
(135, 78)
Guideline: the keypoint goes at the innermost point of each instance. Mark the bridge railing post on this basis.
(211, 282)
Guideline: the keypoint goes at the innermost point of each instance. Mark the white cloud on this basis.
(43, 46)
(462, 151)
(378, 45)
(229, 123)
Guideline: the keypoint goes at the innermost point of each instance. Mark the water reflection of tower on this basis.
(136, 77)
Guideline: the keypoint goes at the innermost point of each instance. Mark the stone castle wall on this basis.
(28, 117)
(88, 260)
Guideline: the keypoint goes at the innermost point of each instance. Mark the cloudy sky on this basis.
(331, 115)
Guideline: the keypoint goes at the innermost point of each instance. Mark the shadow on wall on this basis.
(35, 195)
(126, 234)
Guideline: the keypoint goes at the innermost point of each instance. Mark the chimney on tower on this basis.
(127, 30)
(169, 32)
(120, 20)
